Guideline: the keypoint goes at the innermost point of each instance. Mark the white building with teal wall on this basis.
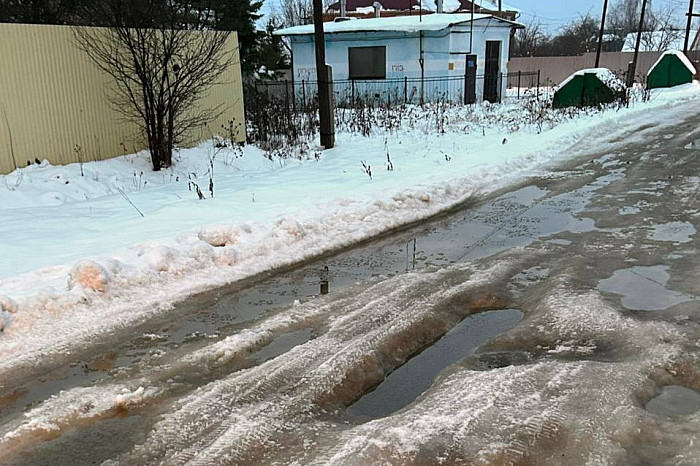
(431, 47)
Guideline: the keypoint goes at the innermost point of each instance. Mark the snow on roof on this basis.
(605, 75)
(413, 23)
(653, 41)
(681, 56)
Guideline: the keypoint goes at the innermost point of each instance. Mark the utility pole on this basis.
(471, 29)
(325, 109)
(687, 27)
(633, 67)
(602, 33)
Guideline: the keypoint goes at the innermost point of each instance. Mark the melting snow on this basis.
(79, 261)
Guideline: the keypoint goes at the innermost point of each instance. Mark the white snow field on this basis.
(93, 248)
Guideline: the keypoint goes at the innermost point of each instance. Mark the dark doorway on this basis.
(470, 80)
(492, 71)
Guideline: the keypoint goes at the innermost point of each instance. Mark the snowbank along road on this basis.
(577, 293)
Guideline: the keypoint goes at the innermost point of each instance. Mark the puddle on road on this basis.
(674, 400)
(405, 384)
(677, 232)
(77, 446)
(281, 345)
(643, 288)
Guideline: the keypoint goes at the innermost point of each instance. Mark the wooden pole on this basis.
(601, 34)
(633, 69)
(324, 95)
(688, 26)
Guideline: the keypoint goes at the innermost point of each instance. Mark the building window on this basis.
(367, 62)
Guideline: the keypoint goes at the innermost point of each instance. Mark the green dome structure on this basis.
(588, 88)
(671, 69)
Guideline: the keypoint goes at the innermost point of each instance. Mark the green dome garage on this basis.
(587, 88)
(671, 69)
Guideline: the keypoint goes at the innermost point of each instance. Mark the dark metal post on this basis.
(324, 99)
(688, 26)
(633, 66)
(602, 33)
(422, 70)
(303, 95)
(405, 90)
(286, 95)
(520, 74)
(500, 87)
(466, 78)
(352, 92)
(258, 106)
(538, 84)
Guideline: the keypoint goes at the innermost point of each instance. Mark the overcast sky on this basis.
(555, 13)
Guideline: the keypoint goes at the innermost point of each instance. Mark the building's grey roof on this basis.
(413, 23)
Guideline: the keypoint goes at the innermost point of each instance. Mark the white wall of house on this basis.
(484, 30)
(444, 51)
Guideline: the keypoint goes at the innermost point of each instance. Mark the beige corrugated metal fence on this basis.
(556, 69)
(52, 99)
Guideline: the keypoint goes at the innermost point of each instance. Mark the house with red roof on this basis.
(366, 8)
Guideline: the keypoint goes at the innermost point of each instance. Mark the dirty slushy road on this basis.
(555, 322)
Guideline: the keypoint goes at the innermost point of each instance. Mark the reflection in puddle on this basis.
(674, 400)
(694, 145)
(407, 382)
(77, 446)
(677, 232)
(644, 288)
(629, 210)
(281, 345)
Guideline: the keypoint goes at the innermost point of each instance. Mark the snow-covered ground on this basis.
(93, 248)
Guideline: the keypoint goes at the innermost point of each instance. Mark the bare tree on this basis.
(663, 30)
(528, 41)
(296, 12)
(163, 59)
(623, 18)
(660, 30)
(575, 38)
